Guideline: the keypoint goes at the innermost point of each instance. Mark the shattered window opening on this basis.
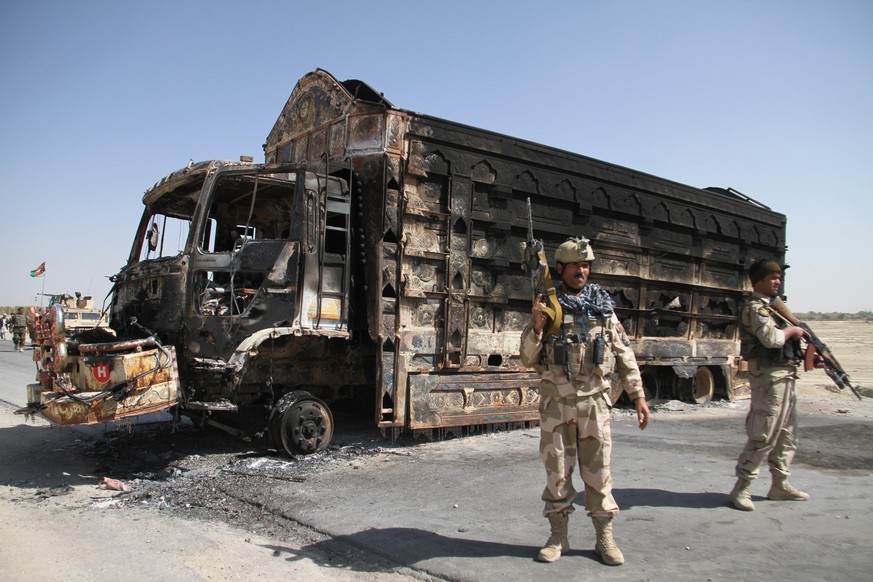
(165, 237)
(245, 210)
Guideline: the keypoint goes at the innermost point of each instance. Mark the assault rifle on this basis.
(537, 267)
(816, 347)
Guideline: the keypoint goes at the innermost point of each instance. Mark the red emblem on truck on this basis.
(101, 372)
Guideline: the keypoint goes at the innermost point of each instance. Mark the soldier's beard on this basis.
(570, 285)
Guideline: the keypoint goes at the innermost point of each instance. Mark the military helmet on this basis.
(574, 250)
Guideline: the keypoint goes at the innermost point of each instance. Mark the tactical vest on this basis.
(752, 349)
(583, 344)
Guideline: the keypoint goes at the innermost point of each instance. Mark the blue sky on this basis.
(772, 98)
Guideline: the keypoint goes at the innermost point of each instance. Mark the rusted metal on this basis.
(109, 389)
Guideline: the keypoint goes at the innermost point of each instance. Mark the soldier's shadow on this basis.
(382, 549)
(628, 498)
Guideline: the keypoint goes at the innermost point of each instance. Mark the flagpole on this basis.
(42, 295)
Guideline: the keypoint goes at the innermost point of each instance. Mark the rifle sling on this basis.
(553, 310)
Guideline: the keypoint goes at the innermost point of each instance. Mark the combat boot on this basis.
(557, 542)
(782, 490)
(606, 547)
(741, 497)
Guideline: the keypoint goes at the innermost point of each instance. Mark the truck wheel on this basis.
(682, 388)
(651, 386)
(300, 423)
(704, 385)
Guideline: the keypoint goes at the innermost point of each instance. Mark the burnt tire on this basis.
(300, 424)
(682, 388)
(703, 386)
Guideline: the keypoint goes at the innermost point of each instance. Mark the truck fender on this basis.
(248, 348)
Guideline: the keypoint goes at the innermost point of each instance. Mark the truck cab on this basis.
(232, 260)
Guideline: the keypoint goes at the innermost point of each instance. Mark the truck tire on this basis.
(300, 424)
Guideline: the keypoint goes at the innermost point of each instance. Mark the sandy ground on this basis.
(851, 342)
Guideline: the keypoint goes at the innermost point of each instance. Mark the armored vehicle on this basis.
(78, 313)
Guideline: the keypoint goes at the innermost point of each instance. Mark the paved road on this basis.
(468, 509)
(18, 369)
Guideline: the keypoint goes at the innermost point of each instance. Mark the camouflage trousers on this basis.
(771, 426)
(18, 336)
(576, 428)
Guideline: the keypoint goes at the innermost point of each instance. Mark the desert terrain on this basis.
(851, 342)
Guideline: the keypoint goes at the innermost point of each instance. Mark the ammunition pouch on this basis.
(790, 353)
(577, 351)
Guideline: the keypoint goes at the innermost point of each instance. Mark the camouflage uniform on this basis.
(771, 424)
(19, 330)
(575, 409)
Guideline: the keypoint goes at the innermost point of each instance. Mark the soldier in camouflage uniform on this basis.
(575, 365)
(772, 348)
(19, 329)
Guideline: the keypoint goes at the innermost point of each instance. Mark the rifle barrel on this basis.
(832, 367)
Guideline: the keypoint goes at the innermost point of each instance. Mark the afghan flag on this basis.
(39, 271)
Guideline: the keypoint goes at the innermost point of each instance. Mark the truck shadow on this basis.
(43, 458)
(34, 455)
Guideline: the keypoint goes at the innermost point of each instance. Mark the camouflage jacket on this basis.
(580, 374)
(762, 341)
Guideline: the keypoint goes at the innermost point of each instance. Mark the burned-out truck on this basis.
(374, 262)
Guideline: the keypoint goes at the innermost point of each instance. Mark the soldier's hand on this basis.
(539, 317)
(794, 331)
(643, 413)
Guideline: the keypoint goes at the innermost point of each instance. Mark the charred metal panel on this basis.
(392, 205)
(316, 101)
(389, 290)
(617, 262)
(622, 232)
(423, 274)
(677, 242)
(153, 292)
(388, 413)
(718, 329)
(112, 387)
(421, 340)
(718, 305)
(462, 399)
(672, 269)
(721, 250)
(663, 351)
(720, 276)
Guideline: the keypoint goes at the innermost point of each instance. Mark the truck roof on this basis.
(319, 94)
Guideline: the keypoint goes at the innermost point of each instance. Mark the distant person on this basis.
(575, 364)
(772, 348)
(3, 328)
(19, 329)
